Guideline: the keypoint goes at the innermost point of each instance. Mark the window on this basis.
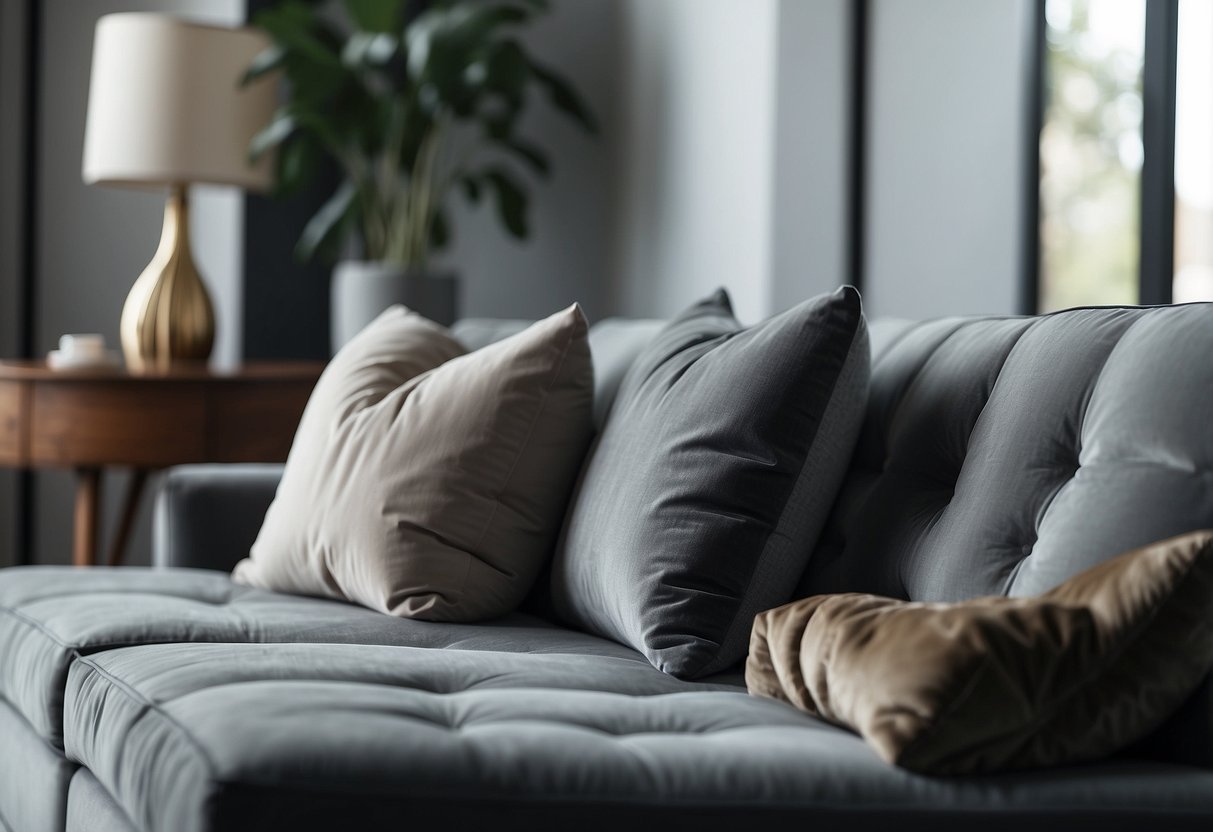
(1091, 152)
(1126, 173)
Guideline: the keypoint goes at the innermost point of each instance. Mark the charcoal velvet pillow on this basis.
(997, 684)
(429, 484)
(710, 482)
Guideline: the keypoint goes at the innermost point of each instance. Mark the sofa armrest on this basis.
(207, 516)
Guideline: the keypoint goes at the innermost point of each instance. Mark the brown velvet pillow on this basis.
(429, 491)
(995, 684)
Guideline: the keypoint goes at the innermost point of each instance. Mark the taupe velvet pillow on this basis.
(996, 684)
(430, 491)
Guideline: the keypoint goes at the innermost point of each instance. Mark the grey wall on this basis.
(944, 164)
(568, 257)
(12, 228)
(810, 183)
(694, 164)
(93, 242)
(733, 153)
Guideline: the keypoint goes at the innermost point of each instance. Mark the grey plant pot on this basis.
(361, 290)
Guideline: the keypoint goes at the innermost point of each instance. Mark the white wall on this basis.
(944, 163)
(93, 241)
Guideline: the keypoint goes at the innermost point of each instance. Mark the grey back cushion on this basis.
(1003, 456)
(709, 484)
(614, 344)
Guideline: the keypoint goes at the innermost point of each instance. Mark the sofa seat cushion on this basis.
(49, 615)
(202, 737)
(33, 777)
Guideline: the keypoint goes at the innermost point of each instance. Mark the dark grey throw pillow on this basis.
(706, 490)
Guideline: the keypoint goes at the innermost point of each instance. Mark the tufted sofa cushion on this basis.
(198, 737)
(51, 615)
(1003, 456)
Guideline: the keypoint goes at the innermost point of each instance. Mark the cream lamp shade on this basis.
(166, 107)
(166, 104)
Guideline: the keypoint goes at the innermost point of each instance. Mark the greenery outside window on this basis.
(1091, 152)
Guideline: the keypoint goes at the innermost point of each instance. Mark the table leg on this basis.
(130, 510)
(88, 515)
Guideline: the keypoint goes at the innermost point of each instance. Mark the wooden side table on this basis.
(88, 420)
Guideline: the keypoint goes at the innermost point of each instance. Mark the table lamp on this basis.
(166, 108)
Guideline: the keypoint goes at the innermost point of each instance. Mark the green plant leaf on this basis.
(324, 229)
(511, 201)
(564, 97)
(273, 134)
(498, 119)
(440, 231)
(363, 49)
(376, 15)
(441, 42)
(349, 77)
(529, 153)
(298, 30)
(471, 188)
(267, 61)
(507, 71)
(298, 160)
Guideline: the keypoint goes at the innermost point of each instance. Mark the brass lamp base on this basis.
(168, 318)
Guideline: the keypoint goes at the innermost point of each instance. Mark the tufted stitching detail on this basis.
(912, 381)
(951, 481)
(34, 624)
(1063, 481)
(229, 594)
(151, 707)
(446, 693)
(1096, 380)
(241, 620)
(993, 387)
(1075, 466)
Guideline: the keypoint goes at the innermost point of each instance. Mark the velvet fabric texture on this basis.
(712, 478)
(995, 684)
(427, 489)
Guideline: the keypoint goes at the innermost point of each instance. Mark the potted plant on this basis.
(411, 106)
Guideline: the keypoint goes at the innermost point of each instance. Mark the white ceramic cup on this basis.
(82, 346)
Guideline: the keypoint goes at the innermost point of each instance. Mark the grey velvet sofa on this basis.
(997, 456)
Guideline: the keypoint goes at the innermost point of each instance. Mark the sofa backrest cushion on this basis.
(1003, 456)
(614, 344)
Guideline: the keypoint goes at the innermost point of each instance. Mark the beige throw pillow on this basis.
(1001, 683)
(430, 491)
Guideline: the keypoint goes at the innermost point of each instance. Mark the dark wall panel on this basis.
(286, 302)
